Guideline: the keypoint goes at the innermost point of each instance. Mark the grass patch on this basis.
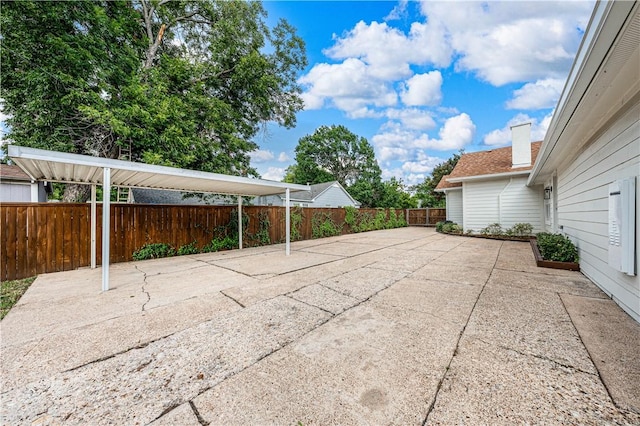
(11, 292)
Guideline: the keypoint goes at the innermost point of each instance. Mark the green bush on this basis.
(322, 225)
(451, 228)
(520, 230)
(557, 247)
(228, 242)
(154, 251)
(440, 225)
(380, 219)
(493, 229)
(190, 248)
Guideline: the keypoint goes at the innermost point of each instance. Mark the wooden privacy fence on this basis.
(39, 238)
(426, 217)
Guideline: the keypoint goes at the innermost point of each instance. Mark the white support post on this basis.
(288, 223)
(106, 225)
(240, 222)
(93, 226)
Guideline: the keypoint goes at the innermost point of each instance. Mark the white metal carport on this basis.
(53, 166)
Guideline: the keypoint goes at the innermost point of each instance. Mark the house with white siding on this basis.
(17, 186)
(327, 194)
(589, 161)
(489, 187)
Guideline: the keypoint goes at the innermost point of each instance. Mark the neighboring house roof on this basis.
(13, 173)
(444, 184)
(493, 162)
(157, 196)
(315, 191)
(318, 189)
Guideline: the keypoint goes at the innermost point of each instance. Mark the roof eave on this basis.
(488, 176)
(602, 31)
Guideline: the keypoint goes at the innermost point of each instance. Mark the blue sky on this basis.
(421, 80)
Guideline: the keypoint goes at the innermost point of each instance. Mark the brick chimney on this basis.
(521, 145)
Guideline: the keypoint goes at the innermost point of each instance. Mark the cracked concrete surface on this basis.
(400, 326)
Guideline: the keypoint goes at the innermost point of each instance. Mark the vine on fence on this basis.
(323, 225)
(295, 216)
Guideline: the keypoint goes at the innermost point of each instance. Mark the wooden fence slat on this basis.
(21, 240)
(41, 239)
(32, 242)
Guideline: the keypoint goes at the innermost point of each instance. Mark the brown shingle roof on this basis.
(444, 184)
(490, 162)
(13, 173)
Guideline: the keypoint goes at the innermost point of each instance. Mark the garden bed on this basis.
(554, 264)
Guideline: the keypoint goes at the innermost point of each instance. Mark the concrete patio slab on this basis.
(487, 384)
(348, 371)
(608, 333)
(407, 327)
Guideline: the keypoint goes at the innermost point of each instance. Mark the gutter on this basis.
(487, 177)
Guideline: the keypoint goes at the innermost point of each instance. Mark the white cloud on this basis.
(541, 94)
(398, 12)
(423, 89)
(349, 86)
(389, 51)
(502, 137)
(274, 173)
(397, 143)
(283, 157)
(261, 156)
(506, 42)
(457, 132)
(412, 118)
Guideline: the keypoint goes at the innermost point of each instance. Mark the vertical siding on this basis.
(522, 204)
(454, 207)
(583, 204)
(480, 203)
(333, 197)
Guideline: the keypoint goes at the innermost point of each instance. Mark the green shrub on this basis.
(451, 228)
(493, 229)
(351, 218)
(322, 225)
(154, 251)
(520, 230)
(228, 242)
(380, 219)
(557, 247)
(440, 225)
(190, 248)
(296, 222)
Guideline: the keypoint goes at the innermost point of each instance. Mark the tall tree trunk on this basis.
(76, 193)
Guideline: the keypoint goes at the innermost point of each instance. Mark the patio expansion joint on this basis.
(235, 300)
(455, 351)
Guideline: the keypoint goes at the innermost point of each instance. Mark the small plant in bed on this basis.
(557, 247)
(154, 251)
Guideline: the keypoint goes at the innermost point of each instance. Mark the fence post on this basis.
(427, 217)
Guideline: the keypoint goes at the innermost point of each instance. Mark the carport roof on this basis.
(55, 166)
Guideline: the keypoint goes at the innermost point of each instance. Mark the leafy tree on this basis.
(394, 195)
(185, 83)
(334, 153)
(425, 191)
